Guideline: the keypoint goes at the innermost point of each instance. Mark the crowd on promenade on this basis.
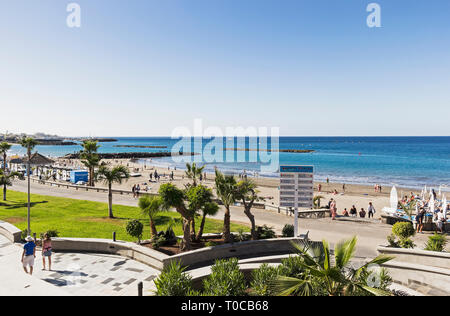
(332, 206)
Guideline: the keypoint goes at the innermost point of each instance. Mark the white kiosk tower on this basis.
(296, 189)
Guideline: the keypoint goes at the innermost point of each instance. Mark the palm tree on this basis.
(174, 197)
(334, 277)
(29, 143)
(198, 198)
(193, 172)
(209, 209)
(151, 206)
(226, 192)
(110, 176)
(90, 158)
(4, 148)
(247, 193)
(6, 180)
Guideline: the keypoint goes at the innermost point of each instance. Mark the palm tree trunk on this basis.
(226, 225)
(251, 217)
(111, 215)
(193, 228)
(153, 228)
(186, 235)
(200, 230)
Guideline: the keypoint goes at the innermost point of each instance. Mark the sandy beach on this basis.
(357, 195)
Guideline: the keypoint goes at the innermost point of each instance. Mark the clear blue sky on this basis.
(144, 67)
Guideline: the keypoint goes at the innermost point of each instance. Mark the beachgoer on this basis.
(343, 187)
(333, 209)
(345, 213)
(371, 210)
(440, 221)
(419, 220)
(362, 213)
(353, 211)
(29, 254)
(319, 188)
(47, 251)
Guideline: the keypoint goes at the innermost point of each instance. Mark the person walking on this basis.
(28, 255)
(371, 210)
(419, 220)
(333, 209)
(47, 251)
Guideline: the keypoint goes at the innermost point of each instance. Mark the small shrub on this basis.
(261, 279)
(436, 243)
(210, 244)
(173, 281)
(135, 229)
(401, 233)
(158, 242)
(225, 279)
(291, 267)
(24, 234)
(241, 236)
(265, 232)
(288, 230)
(403, 230)
(51, 233)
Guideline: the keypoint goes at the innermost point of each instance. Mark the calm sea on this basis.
(405, 161)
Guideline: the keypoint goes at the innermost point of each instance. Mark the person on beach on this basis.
(362, 213)
(47, 251)
(419, 220)
(29, 254)
(353, 211)
(343, 187)
(371, 210)
(345, 213)
(440, 220)
(319, 188)
(333, 209)
(133, 189)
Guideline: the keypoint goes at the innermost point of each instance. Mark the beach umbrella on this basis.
(444, 206)
(394, 198)
(432, 204)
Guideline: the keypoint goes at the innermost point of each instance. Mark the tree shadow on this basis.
(21, 205)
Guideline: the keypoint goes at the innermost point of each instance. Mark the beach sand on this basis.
(358, 195)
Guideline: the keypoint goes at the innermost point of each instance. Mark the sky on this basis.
(146, 67)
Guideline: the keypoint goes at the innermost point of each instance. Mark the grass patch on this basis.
(86, 219)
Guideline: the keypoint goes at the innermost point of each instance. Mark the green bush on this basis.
(401, 233)
(210, 244)
(242, 236)
(51, 233)
(135, 229)
(24, 234)
(288, 230)
(225, 279)
(436, 243)
(158, 242)
(403, 230)
(261, 280)
(265, 232)
(173, 281)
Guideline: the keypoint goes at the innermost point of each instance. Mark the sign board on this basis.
(297, 186)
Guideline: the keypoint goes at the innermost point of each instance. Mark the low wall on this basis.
(417, 256)
(10, 231)
(419, 269)
(243, 250)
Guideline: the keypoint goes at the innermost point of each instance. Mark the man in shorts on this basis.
(29, 254)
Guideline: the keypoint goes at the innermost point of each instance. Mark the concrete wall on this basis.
(417, 256)
(426, 271)
(242, 250)
(10, 231)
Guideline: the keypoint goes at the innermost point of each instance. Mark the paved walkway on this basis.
(72, 274)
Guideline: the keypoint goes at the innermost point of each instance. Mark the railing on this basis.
(85, 187)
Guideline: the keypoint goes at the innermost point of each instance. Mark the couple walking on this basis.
(29, 253)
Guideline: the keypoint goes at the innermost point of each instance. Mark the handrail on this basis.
(85, 187)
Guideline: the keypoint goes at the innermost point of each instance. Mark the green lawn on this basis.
(85, 219)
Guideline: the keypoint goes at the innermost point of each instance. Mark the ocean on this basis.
(404, 161)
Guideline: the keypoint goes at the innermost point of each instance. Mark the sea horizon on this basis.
(405, 161)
